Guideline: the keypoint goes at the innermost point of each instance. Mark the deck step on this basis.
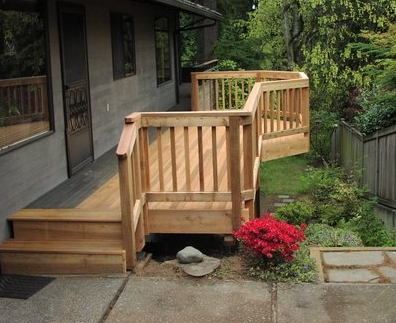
(62, 257)
(64, 224)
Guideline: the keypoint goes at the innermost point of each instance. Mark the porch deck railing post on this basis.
(126, 201)
(194, 92)
(235, 171)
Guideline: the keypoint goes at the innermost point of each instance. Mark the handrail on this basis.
(198, 142)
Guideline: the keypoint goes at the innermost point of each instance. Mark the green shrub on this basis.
(376, 116)
(370, 228)
(302, 269)
(296, 212)
(335, 194)
(323, 235)
(319, 183)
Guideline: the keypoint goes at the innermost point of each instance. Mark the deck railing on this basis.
(206, 156)
(23, 97)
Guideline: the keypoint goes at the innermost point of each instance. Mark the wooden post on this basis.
(248, 160)
(235, 171)
(194, 92)
(127, 195)
(126, 198)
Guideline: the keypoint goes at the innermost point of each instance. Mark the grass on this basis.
(283, 176)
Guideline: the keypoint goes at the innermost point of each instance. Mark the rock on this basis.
(189, 255)
(205, 267)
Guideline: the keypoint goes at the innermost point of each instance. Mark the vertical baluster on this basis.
(200, 160)
(173, 158)
(229, 105)
(217, 93)
(214, 160)
(223, 93)
(144, 143)
(285, 109)
(160, 159)
(236, 94)
(187, 158)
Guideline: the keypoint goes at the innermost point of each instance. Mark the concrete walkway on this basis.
(361, 288)
(145, 299)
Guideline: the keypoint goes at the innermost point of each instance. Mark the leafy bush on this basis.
(378, 99)
(370, 228)
(376, 114)
(227, 65)
(302, 269)
(335, 194)
(298, 212)
(275, 241)
(323, 235)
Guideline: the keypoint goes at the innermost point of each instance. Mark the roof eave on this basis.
(191, 7)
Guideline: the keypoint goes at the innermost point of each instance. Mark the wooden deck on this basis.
(178, 172)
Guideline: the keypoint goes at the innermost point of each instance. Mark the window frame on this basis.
(162, 30)
(39, 6)
(118, 44)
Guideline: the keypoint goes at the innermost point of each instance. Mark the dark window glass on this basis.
(162, 50)
(123, 43)
(24, 109)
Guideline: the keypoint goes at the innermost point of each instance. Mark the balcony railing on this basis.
(23, 109)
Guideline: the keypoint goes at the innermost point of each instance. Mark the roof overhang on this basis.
(191, 7)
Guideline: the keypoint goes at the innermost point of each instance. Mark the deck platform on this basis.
(172, 172)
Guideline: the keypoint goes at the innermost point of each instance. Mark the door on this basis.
(76, 98)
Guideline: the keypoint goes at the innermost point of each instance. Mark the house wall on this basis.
(28, 172)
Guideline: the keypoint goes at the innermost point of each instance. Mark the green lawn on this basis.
(283, 176)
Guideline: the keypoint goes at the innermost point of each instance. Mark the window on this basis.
(24, 111)
(162, 50)
(123, 43)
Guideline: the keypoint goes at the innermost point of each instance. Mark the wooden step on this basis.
(64, 224)
(62, 257)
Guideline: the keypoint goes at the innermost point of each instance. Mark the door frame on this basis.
(78, 9)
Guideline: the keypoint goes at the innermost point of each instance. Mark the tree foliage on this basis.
(19, 55)
(377, 100)
(233, 43)
(329, 27)
(314, 36)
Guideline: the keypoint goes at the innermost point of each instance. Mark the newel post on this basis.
(127, 195)
(194, 92)
(126, 199)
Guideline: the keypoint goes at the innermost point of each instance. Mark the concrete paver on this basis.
(65, 300)
(149, 300)
(389, 272)
(392, 256)
(336, 303)
(357, 275)
(353, 258)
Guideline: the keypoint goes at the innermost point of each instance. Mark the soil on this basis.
(159, 256)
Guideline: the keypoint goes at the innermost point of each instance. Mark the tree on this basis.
(314, 36)
(377, 100)
(233, 43)
(329, 27)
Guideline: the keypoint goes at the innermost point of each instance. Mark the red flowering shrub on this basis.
(270, 238)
